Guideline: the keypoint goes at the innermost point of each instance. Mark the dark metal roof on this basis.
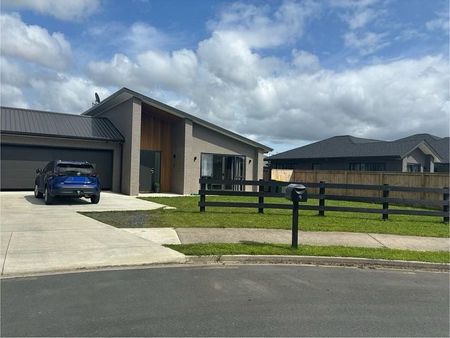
(349, 146)
(124, 94)
(43, 123)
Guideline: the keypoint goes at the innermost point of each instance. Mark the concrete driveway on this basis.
(38, 238)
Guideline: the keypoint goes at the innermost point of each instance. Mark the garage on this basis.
(19, 163)
(32, 138)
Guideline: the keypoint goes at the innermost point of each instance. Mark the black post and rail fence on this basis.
(263, 189)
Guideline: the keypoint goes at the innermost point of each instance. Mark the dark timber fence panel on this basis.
(378, 194)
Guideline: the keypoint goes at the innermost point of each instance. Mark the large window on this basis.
(367, 166)
(223, 167)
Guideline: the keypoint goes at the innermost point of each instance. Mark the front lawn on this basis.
(308, 250)
(187, 215)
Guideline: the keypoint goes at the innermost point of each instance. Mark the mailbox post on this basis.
(296, 193)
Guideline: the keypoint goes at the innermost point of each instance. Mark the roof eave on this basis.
(427, 149)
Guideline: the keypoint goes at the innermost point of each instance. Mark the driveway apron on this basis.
(39, 238)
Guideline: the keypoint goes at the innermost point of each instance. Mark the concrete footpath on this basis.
(233, 235)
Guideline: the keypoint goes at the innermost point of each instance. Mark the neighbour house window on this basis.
(441, 167)
(414, 167)
(367, 166)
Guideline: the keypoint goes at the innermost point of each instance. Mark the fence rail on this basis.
(400, 179)
(263, 189)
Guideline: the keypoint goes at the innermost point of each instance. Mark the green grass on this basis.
(308, 250)
(187, 215)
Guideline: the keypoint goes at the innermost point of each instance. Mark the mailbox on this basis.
(296, 193)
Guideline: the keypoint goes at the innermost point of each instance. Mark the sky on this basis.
(283, 73)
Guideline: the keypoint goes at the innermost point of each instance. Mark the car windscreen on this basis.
(74, 169)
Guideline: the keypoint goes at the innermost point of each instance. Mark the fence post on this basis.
(202, 196)
(445, 207)
(321, 198)
(261, 198)
(385, 202)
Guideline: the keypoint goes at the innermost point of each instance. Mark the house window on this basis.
(367, 166)
(223, 167)
(413, 167)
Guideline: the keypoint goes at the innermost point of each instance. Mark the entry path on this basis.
(237, 235)
(39, 238)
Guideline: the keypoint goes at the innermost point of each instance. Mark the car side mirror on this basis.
(38, 171)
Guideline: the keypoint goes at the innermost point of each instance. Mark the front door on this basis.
(149, 172)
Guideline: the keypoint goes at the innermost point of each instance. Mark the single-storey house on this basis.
(136, 143)
(416, 153)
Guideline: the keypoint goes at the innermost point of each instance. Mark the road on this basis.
(228, 301)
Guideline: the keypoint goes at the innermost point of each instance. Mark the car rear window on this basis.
(67, 168)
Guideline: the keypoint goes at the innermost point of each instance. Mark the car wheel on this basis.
(47, 197)
(95, 199)
(37, 193)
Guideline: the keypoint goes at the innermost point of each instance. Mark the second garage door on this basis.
(19, 163)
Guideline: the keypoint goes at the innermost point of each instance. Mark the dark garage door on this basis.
(19, 163)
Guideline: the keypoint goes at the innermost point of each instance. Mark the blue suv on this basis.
(67, 179)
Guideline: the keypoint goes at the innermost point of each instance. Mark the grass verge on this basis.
(187, 215)
(308, 250)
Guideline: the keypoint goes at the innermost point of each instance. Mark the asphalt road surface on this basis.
(228, 301)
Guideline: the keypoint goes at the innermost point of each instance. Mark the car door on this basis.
(40, 179)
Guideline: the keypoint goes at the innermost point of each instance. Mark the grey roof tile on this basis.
(35, 122)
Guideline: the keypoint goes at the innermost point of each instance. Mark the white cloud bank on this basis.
(33, 43)
(228, 81)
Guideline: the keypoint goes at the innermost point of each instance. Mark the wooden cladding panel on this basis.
(156, 136)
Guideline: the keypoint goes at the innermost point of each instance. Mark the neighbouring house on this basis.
(136, 143)
(416, 153)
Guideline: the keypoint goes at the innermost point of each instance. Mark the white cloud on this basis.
(257, 27)
(11, 73)
(66, 93)
(11, 96)
(23, 86)
(305, 62)
(441, 23)
(132, 39)
(298, 98)
(72, 10)
(384, 101)
(366, 43)
(176, 70)
(361, 18)
(33, 43)
(358, 13)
